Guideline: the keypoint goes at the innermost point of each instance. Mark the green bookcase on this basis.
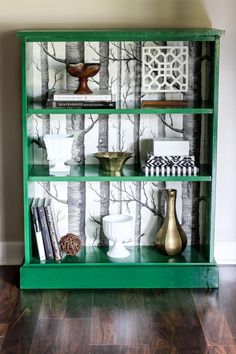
(145, 268)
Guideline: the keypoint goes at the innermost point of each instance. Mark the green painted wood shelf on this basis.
(94, 173)
(143, 255)
(124, 108)
(145, 268)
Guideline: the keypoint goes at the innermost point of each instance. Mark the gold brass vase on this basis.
(171, 238)
(112, 161)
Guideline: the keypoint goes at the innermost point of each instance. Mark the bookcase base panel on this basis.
(118, 276)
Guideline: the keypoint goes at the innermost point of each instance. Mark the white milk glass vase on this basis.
(118, 228)
(58, 152)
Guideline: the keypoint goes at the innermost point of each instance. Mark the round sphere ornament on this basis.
(70, 244)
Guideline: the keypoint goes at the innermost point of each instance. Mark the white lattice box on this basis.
(165, 69)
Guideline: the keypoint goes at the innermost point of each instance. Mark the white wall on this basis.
(27, 14)
(222, 15)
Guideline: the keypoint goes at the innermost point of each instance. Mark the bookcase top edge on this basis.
(99, 34)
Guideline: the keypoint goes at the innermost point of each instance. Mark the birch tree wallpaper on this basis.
(80, 206)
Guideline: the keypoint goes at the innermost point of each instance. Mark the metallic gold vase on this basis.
(171, 239)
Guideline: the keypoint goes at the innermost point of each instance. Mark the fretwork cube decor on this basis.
(165, 69)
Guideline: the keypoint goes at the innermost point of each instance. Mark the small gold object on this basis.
(112, 161)
(171, 238)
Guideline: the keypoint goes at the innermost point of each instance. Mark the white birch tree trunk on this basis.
(136, 136)
(75, 123)
(161, 185)
(103, 135)
(192, 132)
(44, 88)
(44, 96)
(119, 133)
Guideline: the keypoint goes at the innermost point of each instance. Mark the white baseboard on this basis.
(11, 253)
(225, 252)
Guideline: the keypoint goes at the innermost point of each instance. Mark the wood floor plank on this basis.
(62, 336)
(226, 295)
(118, 318)
(160, 339)
(21, 327)
(1, 342)
(172, 322)
(3, 329)
(172, 307)
(9, 292)
(189, 339)
(79, 304)
(230, 349)
(119, 349)
(212, 317)
(53, 304)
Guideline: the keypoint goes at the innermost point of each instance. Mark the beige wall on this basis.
(28, 14)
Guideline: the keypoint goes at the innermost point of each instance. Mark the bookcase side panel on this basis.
(214, 143)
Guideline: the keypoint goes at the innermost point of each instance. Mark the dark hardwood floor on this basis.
(129, 321)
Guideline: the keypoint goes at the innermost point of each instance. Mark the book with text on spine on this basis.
(52, 229)
(37, 230)
(78, 104)
(44, 229)
(97, 95)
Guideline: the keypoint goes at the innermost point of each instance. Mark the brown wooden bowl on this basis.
(83, 71)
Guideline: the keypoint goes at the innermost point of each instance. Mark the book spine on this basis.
(82, 98)
(52, 232)
(167, 103)
(77, 104)
(38, 235)
(45, 233)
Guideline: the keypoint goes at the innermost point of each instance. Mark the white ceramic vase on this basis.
(118, 228)
(58, 152)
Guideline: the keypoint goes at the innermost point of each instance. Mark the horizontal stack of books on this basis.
(170, 157)
(68, 99)
(46, 230)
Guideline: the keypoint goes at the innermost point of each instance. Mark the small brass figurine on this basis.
(83, 71)
(171, 238)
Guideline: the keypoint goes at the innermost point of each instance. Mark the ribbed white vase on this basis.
(58, 152)
(118, 228)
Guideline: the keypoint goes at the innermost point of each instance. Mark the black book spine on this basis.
(45, 233)
(55, 245)
(76, 104)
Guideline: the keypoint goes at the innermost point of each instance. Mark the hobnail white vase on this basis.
(118, 228)
(58, 152)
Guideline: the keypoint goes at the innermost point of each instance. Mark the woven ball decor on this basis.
(70, 244)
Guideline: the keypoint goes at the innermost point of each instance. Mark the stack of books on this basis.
(68, 99)
(170, 166)
(46, 230)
